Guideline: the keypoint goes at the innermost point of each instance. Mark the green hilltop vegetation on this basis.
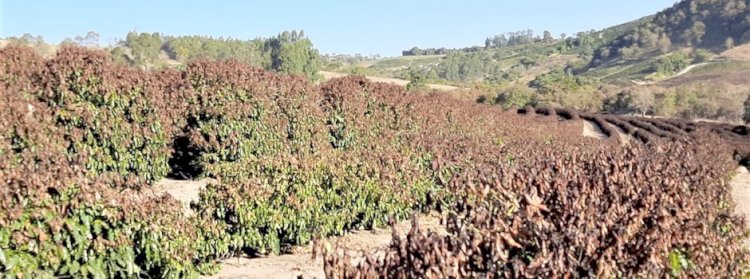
(714, 25)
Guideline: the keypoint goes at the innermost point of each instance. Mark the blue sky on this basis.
(368, 26)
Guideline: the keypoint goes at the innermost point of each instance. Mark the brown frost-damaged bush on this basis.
(107, 112)
(632, 213)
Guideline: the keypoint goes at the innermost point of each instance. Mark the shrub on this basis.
(516, 96)
(104, 110)
(528, 222)
(56, 220)
(702, 55)
(242, 114)
(673, 63)
(560, 89)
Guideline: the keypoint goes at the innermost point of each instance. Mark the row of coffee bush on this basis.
(84, 139)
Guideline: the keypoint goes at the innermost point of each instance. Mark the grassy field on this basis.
(741, 52)
(722, 72)
(401, 62)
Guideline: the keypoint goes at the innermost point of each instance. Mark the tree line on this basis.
(289, 52)
(497, 41)
(563, 90)
(519, 38)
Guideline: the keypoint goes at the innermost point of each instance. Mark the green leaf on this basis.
(74, 267)
(676, 262)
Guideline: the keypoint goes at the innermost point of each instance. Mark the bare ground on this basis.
(402, 82)
(184, 191)
(590, 129)
(737, 53)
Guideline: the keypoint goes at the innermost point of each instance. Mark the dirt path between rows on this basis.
(592, 130)
(185, 191)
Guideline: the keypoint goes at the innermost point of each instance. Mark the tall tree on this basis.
(293, 55)
(729, 43)
(144, 47)
(698, 30)
(642, 100)
(664, 44)
(90, 40)
(547, 38)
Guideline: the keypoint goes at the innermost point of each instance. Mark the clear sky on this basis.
(356, 26)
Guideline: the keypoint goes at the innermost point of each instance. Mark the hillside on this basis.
(501, 65)
(710, 24)
(510, 57)
(738, 53)
(520, 56)
(649, 52)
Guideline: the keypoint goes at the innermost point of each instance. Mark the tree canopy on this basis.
(289, 52)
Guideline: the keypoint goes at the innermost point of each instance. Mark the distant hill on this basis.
(650, 48)
(689, 60)
(507, 58)
(711, 24)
